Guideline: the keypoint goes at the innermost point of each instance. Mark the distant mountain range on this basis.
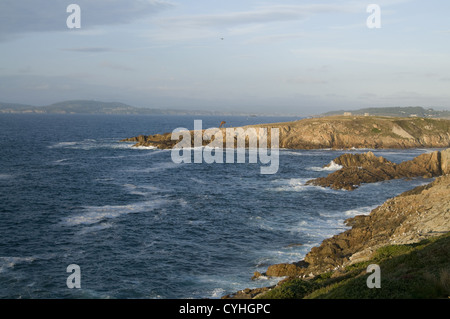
(98, 107)
(412, 111)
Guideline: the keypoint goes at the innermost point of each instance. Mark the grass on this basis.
(376, 130)
(415, 271)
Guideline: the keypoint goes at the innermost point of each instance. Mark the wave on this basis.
(7, 263)
(331, 167)
(63, 144)
(92, 144)
(360, 211)
(144, 147)
(63, 161)
(96, 214)
(5, 176)
(297, 185)
(217, 293)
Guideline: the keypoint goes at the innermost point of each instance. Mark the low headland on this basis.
(340, 132)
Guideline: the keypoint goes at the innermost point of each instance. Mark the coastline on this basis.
(385, 225)
(419, 214)
(336, 132)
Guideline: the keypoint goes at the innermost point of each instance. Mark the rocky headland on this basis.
(409, 218)
(368, 168)
(340, 132)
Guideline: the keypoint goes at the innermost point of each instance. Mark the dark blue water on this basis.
(140, 226)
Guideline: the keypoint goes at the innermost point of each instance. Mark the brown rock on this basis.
(445, 161)
(282, 270)
(339, 132)
(367, 168)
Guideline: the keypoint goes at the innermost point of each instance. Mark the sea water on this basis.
(140, 226)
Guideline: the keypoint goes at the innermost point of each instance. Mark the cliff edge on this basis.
(341, 132)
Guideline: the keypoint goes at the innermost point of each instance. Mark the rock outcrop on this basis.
(418, 214)
(368, 168)
(342, 132)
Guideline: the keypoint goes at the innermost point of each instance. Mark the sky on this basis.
(298, 57)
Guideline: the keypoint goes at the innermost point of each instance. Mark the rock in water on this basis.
(368, 168)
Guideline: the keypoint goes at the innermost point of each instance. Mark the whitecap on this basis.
(95, 214)
(62, 161)
(85, 144)
(63, 144)
(297, 185)
(217, 293)
(360, 211)
(89, 144)
(331, 167)
(144, 147)
(7, 263)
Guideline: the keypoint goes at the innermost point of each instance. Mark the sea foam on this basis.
(331, 167)
(95, 214)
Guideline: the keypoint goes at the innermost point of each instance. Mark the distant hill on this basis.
(412, 111)
(98, 107)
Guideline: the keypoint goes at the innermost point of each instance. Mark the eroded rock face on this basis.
(368, 168)
(445, 161)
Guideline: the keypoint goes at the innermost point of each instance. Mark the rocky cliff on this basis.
(368, 168)
(418, 214)
(342, 132)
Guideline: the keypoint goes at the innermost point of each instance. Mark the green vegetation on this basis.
(376, 130)
(292, 289)
(415, 271)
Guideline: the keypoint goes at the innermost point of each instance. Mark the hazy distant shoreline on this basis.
(100, 107)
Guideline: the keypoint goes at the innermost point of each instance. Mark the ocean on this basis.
(140, 226)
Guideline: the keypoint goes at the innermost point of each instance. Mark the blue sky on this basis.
(303, 56)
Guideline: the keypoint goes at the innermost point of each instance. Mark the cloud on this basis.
(24, 16)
